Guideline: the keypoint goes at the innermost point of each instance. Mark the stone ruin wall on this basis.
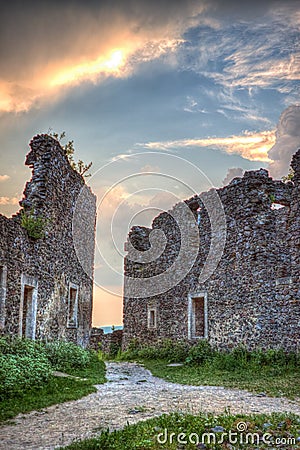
(253, 296)
(50, 263)
(108, 343)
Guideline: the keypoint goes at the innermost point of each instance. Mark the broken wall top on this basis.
(243, 197)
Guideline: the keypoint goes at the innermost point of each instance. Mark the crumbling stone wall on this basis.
(253, 296)
(44, 271)
(109, 343)
(96, 338)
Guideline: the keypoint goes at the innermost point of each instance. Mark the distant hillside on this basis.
(108, 329)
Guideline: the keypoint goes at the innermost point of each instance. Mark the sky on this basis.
(167, 99)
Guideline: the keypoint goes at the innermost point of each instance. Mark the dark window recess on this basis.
(72, 307)
(152, 318)
(27, 311)
(199, 317)
(2, 295)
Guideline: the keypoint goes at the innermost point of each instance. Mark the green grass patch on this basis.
(26, 380)
(56, 390)
(272, 382)
(95, 372)
(144, 435)
(274, 372)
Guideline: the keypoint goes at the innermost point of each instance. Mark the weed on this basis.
(34, 225)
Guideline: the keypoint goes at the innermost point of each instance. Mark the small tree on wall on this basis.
(289, 176)
(79, 166)
(34, 225)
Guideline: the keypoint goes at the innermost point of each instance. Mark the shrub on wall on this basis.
(34, 225)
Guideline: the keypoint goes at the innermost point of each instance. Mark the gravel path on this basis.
(131, 394)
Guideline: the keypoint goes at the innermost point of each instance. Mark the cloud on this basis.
(4, 178)
(232, 173)
(250, 50)
(193, 107)
(45, 47)
(149, 168)
(287, 141)
(251, 146)
(233, 109)
(164, 200)
(9, 201)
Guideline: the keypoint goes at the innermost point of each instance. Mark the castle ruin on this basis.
(252, 297)
(45, 291)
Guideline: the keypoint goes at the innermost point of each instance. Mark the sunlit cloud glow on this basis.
(9, 201)
(251, 146)
(4, 178)
(47, 85)
(90, 70)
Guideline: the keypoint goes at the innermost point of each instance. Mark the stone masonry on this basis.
(45, 291)
(253, 295)
(108, 343)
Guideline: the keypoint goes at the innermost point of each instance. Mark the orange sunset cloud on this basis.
(252, 146)
(83, 45)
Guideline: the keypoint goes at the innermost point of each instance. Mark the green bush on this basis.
(114, 349)
(173, 351)
(26, 368)
(240, 358)
(65, 355)
(275, 358)
(23, 366)
(19, 373)
(167, 349)
(200, 353)
(12, 345)
(132, 351)
(276, 361)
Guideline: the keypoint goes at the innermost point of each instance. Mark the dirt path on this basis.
(130, 395)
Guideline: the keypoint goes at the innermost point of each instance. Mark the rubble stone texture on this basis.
(46, 284)
(252, 297)
(108, 343)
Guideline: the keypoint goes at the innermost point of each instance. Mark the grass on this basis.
(144, 435)
(55, 390)
(272, 372)
(31, 396)
(271, 381)
(94, 372)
